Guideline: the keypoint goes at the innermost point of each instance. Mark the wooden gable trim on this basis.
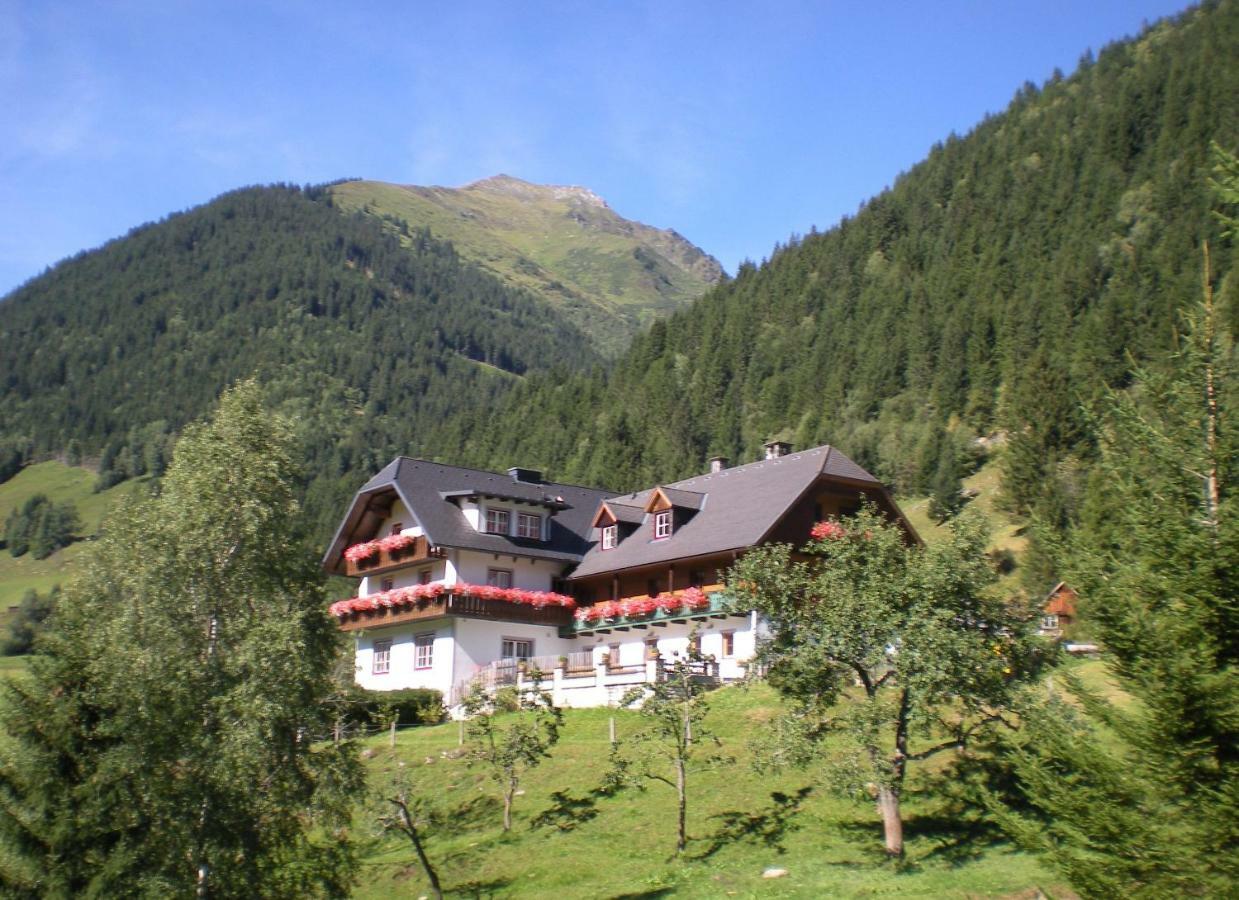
(658, 501)
(603, 517)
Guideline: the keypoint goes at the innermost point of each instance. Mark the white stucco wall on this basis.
(402, 671)
(673, 641)
(479, 642)
(402, 514)
(529, 574)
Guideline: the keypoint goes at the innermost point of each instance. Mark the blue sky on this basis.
(736, 128)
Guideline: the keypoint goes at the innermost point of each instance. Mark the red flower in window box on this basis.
(827, 531)
(396, 543)
(695, 598)
(362, 552)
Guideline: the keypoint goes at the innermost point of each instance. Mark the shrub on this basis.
(412, 706)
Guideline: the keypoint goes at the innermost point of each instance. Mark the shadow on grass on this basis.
(957, 839)
(651, 894)
(569, 811)
(472, 814)
(952, 838)
(766, 826)
(477, 889)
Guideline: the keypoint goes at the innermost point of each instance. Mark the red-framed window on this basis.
(423, 650)
(382, 658)
(662, 524)
(497, 521)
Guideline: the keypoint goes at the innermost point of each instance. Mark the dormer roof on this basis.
(669, 497)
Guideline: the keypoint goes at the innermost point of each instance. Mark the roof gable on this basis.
(432, 492)
(734, 508)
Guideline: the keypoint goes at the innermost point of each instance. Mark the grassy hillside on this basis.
(622, 846)
(610, 276)
(62, 484)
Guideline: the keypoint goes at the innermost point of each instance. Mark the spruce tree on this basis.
(1142, 799)
(164, 744)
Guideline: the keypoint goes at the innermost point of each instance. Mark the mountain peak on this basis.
(518, 187)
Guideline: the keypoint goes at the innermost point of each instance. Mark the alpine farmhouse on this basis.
(469, 576)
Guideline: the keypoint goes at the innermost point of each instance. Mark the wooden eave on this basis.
(603, 517)
(658, 501)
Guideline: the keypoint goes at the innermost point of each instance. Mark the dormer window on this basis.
(529, 525)
(497, 521)
(662, 524)
(397, 527)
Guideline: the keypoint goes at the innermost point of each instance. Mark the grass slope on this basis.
(622, 846)
(609, 275)
(62, 484)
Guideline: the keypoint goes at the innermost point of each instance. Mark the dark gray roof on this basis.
(739, 508)
(627, 512)
(682, 498)
(430, 490)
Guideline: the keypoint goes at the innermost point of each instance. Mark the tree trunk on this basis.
(508, 793)
(892, 824)
(681, 787)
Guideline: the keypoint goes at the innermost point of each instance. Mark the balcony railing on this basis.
(419, 551)
(717, 604)
(454, 604)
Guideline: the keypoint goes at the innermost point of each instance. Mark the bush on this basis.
(411, 706)
(27, 622)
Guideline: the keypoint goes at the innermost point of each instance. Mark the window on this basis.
(386, 584)
(423, 650)
(397, 527)
(662, 524)
(514, 648)
(651, 648)
(424, 576)
(1049, 623)
(613, 651)
(500, 578)
(729, 643)
(497, 521)
(651, 587)
(382, 658)
(609, 534)
(529, 525)
(694, 644)
(696, 577)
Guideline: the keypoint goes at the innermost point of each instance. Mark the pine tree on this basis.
(165, 740)
(1143, 800)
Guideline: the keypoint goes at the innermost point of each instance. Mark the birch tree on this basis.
(165, 743)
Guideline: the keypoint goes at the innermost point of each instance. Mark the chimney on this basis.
(718, 463)
(525, 476)
(775, 449)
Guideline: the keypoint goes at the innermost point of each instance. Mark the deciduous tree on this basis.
(165, 741)
(901, 651)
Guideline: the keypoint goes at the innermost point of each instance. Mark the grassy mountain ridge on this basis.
(610, 276)
(1001, 284)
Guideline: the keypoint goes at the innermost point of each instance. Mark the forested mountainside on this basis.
(1001, 284)
(375, 343)
(608, 275)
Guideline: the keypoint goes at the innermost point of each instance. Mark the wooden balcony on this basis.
(467, 606)
(419, 552)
